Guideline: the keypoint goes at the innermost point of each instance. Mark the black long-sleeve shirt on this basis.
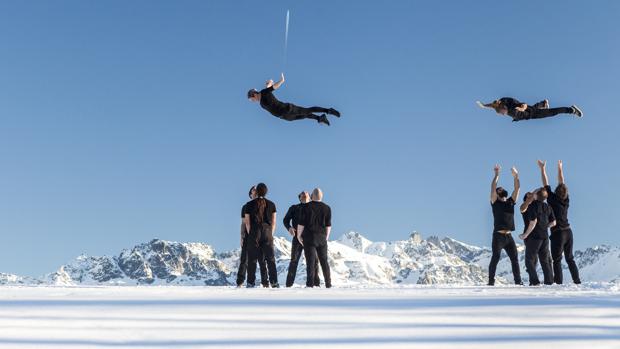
(292, 217)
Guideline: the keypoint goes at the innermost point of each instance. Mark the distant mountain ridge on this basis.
(354, 260)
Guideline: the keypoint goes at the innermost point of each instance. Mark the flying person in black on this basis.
(521, 111)
(291, 220)
(288, 111)
(561, 234)
(538, 218)
(260, 222)
(243, 258)
(504, 224)
(313, 232)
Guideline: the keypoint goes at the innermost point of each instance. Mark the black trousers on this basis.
(538, 249)
(296, 250)
(562, 243)
(504, 242)
(312, 253)
(537, 113)
(260, 244)
(295, 112)
(243, 265)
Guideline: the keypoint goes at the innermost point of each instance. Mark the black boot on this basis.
(323, 120)
(333, 112)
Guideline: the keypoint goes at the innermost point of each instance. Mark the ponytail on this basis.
(261, 191)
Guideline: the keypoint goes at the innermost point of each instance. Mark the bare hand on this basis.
(522, 236)
(542, 164)
(497, 168)
(515, 173)
(292, 231)
(282, 76)
(560, 164)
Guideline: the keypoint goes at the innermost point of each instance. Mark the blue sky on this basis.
(121, 122)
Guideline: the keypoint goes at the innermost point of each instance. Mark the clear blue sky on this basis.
(121, 122)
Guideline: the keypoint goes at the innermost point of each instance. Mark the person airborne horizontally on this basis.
(288, 111)
(521, 111)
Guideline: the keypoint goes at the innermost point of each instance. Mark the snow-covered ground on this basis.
(219, 317)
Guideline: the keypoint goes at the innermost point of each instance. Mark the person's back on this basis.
(559, 206)
(316, 218)
(258, 216)
(544, 216)
(270, 103)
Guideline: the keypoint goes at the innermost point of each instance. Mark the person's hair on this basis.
(496, 105)
(525, 196)
(562, 191)
(261, 191)
(252, 93)
(317, 194)
(250, 192)
(501, 192)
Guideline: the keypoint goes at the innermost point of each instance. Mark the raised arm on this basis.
(517, 190)
(496, 169)
(528, 201)
(560, 172)
(543, 172)
(279, 83)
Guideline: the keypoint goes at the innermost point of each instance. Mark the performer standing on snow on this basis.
(538, 218)
(293, 215)
(521, 111)
(313, 232)
(503, 225)
(561, 234)
(243, 258)
(260, 219)
(288, 111)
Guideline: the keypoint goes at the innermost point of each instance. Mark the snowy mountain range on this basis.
(354, 261)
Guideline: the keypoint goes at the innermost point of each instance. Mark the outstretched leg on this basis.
(545, 113)
(297, 110)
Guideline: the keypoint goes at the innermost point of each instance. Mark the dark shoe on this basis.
(534, 283)
(287, 285)
(250, 286)
(275, 285)
(577, 282)
(323, 120)
(491, 283)
(328, 285)
(265, 285)
(333, 112)
(577, 111)
(519, 283)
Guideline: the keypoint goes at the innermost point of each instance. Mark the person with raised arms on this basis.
(561, 234)
(260, 222)
(503, 225)
(288, 111)
(313, 233)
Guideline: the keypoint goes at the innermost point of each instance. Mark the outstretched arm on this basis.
(560, 172)
(496, 169)
(279, 83)
(515, 193)
(543, 172)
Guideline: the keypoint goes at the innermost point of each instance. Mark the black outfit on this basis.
(503, 220)
(287, 111)
(535, 111)
(260, 240)
(561, 238)
(537, 243)
(293, 215)
(316, 217)
(243, 260)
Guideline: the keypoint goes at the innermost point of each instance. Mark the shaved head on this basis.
(317, 194)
